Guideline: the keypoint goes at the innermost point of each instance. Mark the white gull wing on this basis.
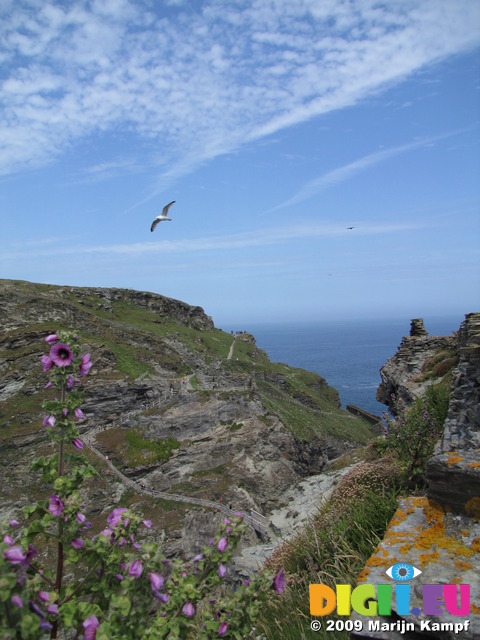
(162, 216)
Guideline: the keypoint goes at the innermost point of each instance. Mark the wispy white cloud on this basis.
(197, 81)
(230, 242)
(341, 174)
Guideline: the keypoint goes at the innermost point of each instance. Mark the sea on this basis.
(348, 354)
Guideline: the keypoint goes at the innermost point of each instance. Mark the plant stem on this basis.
(58, 581)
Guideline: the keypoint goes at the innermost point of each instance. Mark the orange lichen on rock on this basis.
(475, 465)
(426, 558)
(472, 508)
(454, 459)
(476, 545)
(463, 564)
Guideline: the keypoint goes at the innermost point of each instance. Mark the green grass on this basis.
(142, 451)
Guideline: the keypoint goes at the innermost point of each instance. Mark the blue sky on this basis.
(274, 125)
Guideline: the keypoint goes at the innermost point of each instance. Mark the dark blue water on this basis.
(348, 355)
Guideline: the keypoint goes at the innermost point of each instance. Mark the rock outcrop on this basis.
(407, 374)
(438, 534)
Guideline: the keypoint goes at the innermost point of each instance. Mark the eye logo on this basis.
(402, 572)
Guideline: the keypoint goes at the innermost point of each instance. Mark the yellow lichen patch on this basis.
(405, 548)
(454, 459)
(472, 508)
(475, 465)
(476, 545)
(474, 609)
(427, 558)
(362, 576)
(463, 564)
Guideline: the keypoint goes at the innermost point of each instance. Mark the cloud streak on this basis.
(231, 242)
(187, 83)
(341, 174)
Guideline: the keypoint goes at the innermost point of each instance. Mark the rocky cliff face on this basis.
(417, 364)
(245, 429)
(440, 533)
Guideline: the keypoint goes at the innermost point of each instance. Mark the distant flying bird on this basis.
(350, 227)
(162, 216)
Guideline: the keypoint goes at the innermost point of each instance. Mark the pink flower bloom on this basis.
(79, 413)
(17, 601)
(13, 523)
(222, 570)
(80, 517)
(47, 363)
(49, 421)
(90, 625)
(116, 516)
(279, 581)
(156, 580)
(8, 540)
(222, 629)
(61, 354)
(14, 555)
(147, 523)
(53, 609)
(135, 569)
(163, 597)
(51, 339)
(78, 444)
(222, 544)
(56, 506)
(85, 365)
(77, 543)
(70, 381)
(44, 596)
(188, 609)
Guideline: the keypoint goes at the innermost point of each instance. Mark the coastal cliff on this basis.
(439, 533)
(169, 414)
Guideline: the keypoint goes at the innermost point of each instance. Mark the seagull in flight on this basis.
(162, 216)
(350, 228)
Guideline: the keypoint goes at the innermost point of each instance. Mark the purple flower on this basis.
(44, 596)
(61, 354)
(222, 570)
(279, 581)
(80, 517)
(116, 516)
(77, 543)
(49, 421)
(147, 523)
(188, 609)
(135, 569)
(222, 544)
(8, 539)
(79, 413)
(13, 523)
(222, 629)
(56, 506)
(90, 625)
(51, 339)
(53, 609)
(78, 444)
(45, 625)
(47, 363)
(70, 381)
(14, 555)
(17, 601)
(156, 580)
(85, 365)
(163, 597)
(36, 609)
